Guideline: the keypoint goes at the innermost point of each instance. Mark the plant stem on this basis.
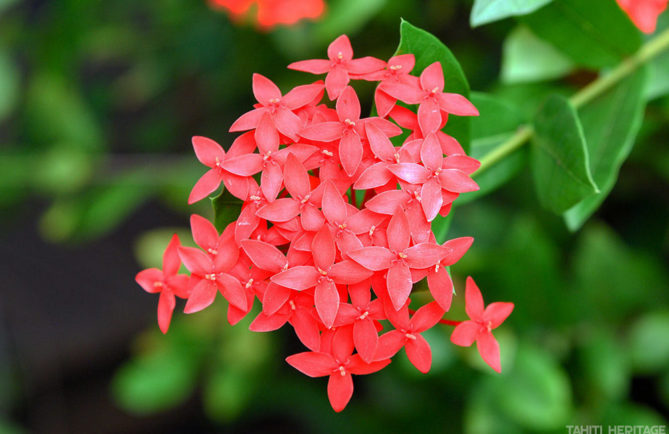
(647, 52)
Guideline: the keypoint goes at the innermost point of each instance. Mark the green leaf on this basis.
(428, 49)
(346, 16)
(154, 382)
(612, 281)
(536, 393)
(545, 63)
(226, 209)
(649, 342)
(593, 33)
(487, 11)
(496, 122)
(604, 364)
(559, 157)
(610, 125)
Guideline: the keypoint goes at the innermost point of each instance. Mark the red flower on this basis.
(209, 271)
(398, 258)
(430, 95)
(271, 13)
(335, 224)
(407, 334)
(340, 64)
(643, 13)
(166, 282)
(279, 108)
(212, 155)
(338, 364)
(478, 328)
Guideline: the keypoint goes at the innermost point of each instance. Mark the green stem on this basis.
(647, 52)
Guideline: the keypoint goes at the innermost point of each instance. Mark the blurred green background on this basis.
(98, 101)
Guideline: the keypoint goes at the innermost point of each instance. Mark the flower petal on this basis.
(410, 172)
(312, 66)
(333, 205)
(296, 178)
(473, 300)
(389, 344)
(323, 248)
(398, 232)
(171, 261)
(387, 202)
(195, 260)
(147, 279)
(207, 151)
(232, 290)
(419, 353)
(281, 210)
(465, 333)
(374, 258)
(424, 255)
(312, 364)
(457, 181)
(441, 287)
(300, 96)
(298, 278)
(204, 233)
(432, 78)
(454, 249)
(306, 328)
(348, 105)
(431, 199)
(166, 305)
(399, 284)
(489, 350)
(340, 390)
(268, 323)
(380, 144)
(426, 317)
(208, 183)
(350, 152)
(365, 338)
(348, 272)
(202, 295)
(264, 89)
(336, 81)
(457, 104)
(496, 313)
(264, 255)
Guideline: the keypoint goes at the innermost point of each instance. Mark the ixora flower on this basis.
(270, 13)
(336, 221)
(643, 13)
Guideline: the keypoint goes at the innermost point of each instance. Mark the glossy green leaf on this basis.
(428, 49)
(226, 209)
(593, 33)
(487, 11)
(610, 125)
(496, 122)
(545, 62)
(559, 157)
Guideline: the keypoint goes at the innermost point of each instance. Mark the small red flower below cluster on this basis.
(336, 221)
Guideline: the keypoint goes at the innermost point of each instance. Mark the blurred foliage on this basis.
(98, 102)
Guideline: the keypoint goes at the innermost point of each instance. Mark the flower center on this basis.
(292, 304)
(213, 251)
(211, 277)
(158, 284)
(323, 272)
(349, 122)
(395, 67)
(410, 336)
(364, 315)
(328, 153)
(249, 283)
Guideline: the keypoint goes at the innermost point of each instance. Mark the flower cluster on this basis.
(335, 227)
(270, 13)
